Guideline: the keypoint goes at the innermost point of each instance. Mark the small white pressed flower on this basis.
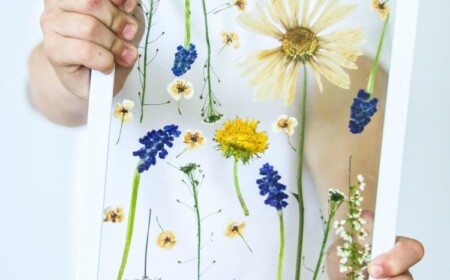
(180, 87)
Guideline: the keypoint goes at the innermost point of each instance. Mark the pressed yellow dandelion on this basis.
(113, 215)
(235, 229)
(193, 140)
(274, 72)
(123, 113)
(166, 240)
(240, 140)
(178, 88)
(381, 8)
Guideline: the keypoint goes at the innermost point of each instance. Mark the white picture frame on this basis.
(91, 194)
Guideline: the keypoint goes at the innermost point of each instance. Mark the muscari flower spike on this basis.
(269, 185)
(361, 111)
(154, 145)
(184, 58)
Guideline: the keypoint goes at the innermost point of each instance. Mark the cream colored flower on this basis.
(113, 215)
(381, 8)
(286, 124)
(123, 111)
(180, 87)
(240, 4)
(193, 139)
(229, 39)
(235, 229)
(299, 27)
(166, 240)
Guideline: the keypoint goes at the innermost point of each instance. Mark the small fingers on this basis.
(125, 5)
(88, 28)
(78, 53)
(105, 11)
(406, 253)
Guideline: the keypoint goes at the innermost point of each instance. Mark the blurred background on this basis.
(37, 162)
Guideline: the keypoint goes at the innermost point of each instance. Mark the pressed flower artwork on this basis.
(240, 185)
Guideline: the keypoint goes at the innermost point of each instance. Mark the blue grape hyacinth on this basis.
(154, 145)
(269, 185)
(361, 111)
(184, 58)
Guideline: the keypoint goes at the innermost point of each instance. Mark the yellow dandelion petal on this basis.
(235, 229)
(299, 26)
(239, 138)
(166, 240)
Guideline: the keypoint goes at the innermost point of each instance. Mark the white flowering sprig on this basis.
(335, 199)
(354, 257)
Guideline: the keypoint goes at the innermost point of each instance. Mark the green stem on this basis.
(130, 226)
(301, 208)
(120, 131)
(144, 74)
(211, 115)
(238, 190)
(281, 255)
(373, 72)
(194, 184)
(324, 241)
(187, 19)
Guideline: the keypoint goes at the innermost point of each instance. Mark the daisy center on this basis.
(299, 43)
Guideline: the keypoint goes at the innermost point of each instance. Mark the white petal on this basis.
(306, 22)
(332, 14)
(128, 104)
(260, 23)
(279, 14)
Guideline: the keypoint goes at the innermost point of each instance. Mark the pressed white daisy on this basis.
(299, 27)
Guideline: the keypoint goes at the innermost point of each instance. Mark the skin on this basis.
(94, 36)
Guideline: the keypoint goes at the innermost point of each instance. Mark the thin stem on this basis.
(146, 242)
(211, 116)
(130, 226)
(281, 255)
(373, 72)
(238, 190)
(187, 19)
(325, 239)
(301, 208)
(144, 75)
(199, 229)
(243, 239)
(120, 131)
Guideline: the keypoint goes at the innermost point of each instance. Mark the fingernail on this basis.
(129, 6)
(376, 271)
(129, 55)
(129, 32)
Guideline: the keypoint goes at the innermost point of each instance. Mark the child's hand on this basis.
(84, 34)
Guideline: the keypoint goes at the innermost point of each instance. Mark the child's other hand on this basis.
(88, 34)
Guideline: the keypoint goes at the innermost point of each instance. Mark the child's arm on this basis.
(79, 36)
